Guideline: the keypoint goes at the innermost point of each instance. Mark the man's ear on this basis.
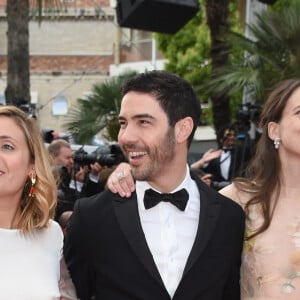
(183, 129)
(273, 130)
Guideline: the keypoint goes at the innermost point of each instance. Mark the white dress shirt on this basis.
(225, 161)
(170, 232)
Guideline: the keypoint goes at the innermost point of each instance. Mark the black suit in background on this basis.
(67, 196)
(240, 156)
(107, 253)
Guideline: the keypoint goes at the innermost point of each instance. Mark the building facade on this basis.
(77, 44)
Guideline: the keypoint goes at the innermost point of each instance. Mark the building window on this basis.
(60, 105)
(34, 97)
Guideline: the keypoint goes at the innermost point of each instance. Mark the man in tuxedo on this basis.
(227, 162)
(174, 237)
(72, 184)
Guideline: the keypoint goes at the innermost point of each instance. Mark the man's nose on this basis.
(128, 134)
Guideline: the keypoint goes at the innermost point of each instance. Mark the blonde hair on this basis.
(37, 210)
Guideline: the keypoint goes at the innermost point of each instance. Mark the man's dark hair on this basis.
(174, 94)
(222, 133)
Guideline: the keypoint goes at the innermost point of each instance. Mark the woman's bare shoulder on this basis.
(233, 192)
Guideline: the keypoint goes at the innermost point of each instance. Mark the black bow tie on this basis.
(227, 149)
(179, 198)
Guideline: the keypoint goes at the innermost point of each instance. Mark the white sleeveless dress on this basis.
(30, 264)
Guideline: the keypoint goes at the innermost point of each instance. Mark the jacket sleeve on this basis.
(232, 288)
(91, 188)
(76, 256)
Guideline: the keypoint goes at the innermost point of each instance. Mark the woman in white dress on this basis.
(31, 265)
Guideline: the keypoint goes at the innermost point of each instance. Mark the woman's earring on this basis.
(276, 143)
(32, 188)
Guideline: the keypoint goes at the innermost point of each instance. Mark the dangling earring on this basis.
(32, 188)
(276, 143)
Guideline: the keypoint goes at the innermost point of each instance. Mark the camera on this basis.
(105, 156)
(247, 113)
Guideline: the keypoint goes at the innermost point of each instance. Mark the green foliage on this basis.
(272, 55)
(281, 4)
(98, 111)
(254, 65)
(188, 53)
(187, 50)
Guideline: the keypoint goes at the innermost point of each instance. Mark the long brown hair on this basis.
(263, 173)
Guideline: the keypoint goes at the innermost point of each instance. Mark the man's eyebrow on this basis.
(138, 116)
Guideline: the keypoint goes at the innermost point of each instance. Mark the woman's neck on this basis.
(9, 214)
(290, 174)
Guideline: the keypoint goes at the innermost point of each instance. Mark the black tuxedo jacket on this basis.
(108, 257)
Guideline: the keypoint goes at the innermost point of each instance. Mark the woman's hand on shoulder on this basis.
(121, 180)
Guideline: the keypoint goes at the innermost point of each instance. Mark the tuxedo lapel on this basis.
(126, 211)
(217, 165)
(209, 212)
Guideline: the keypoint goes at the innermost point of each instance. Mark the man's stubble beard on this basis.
(159, 158)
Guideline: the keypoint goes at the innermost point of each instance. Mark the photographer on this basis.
(226, 162)
(75, 180)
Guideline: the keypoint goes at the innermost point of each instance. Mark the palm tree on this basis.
(217, 13)
(199, 49)
(98, 111)
(17, 91)
(18, 84)
(273, 54)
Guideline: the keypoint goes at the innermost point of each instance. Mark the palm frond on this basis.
(98, 111)
(273, 54)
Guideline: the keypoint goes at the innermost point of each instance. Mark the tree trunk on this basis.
(18, 71)
(217, 12)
